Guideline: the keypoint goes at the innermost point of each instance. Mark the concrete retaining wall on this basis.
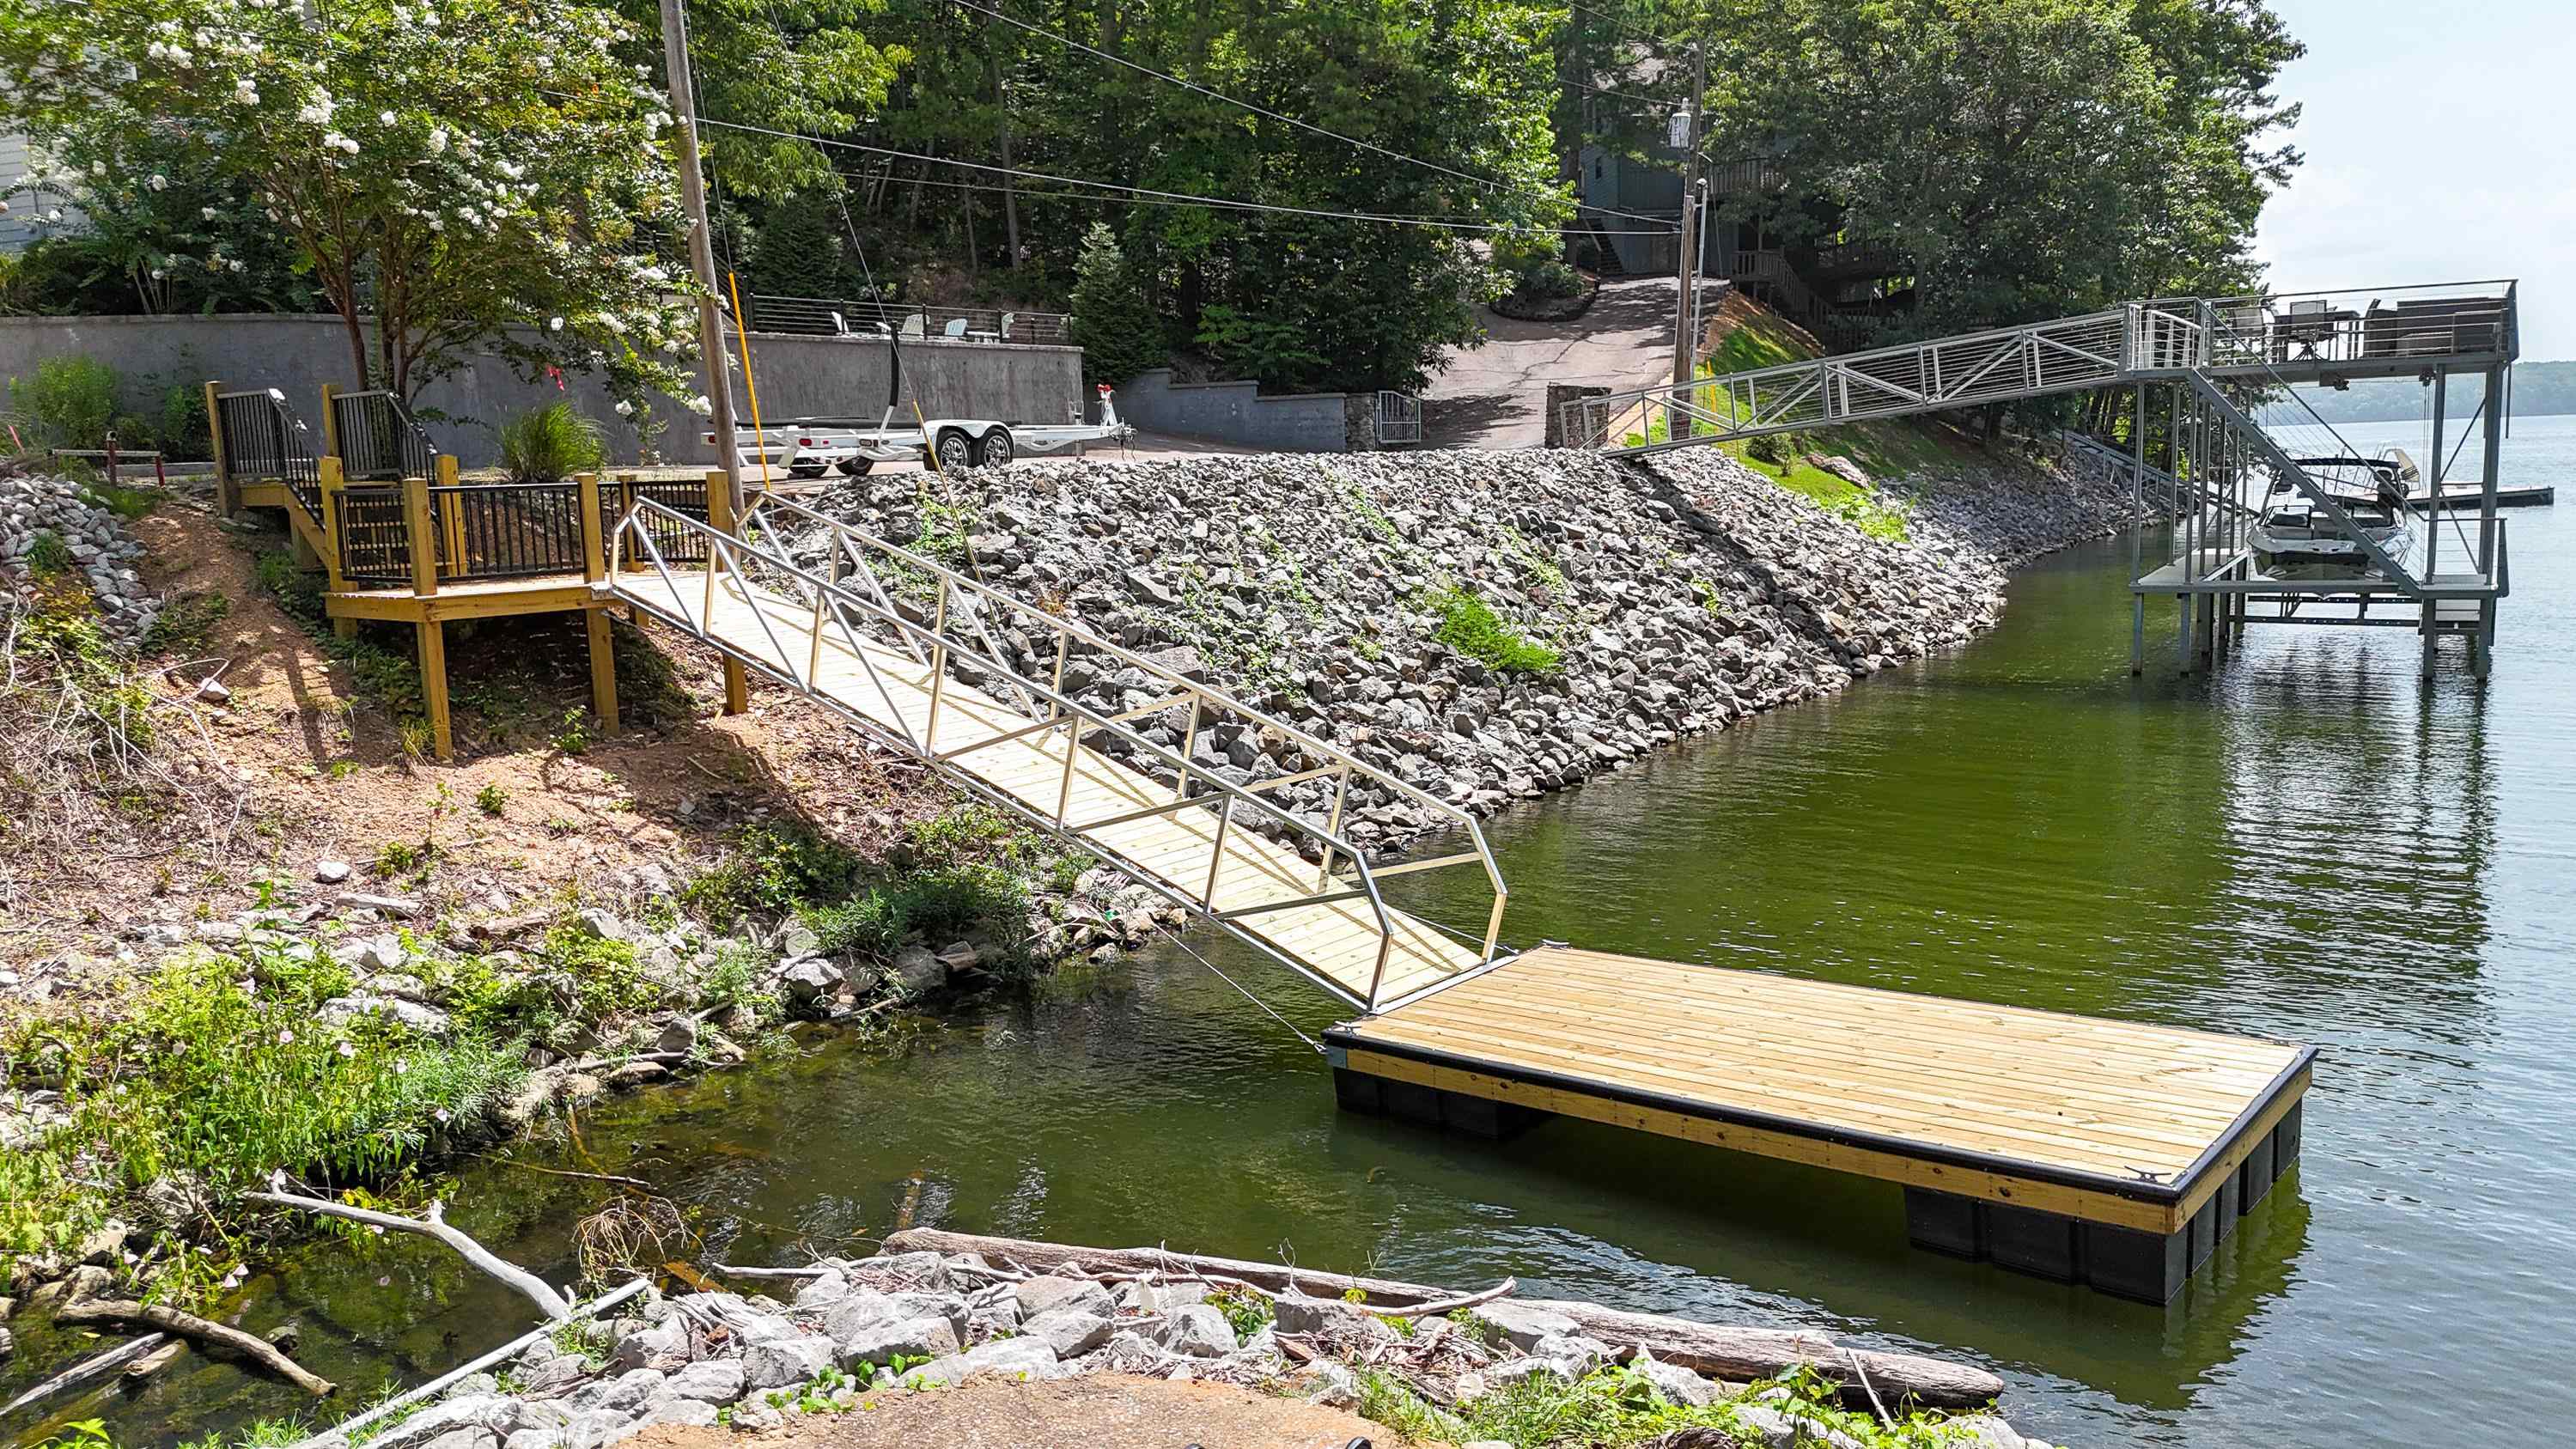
(798, 375)
(1238, 412)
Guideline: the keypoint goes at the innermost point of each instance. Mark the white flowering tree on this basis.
(454, 174)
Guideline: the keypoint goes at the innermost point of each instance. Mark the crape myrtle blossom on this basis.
(365, 130)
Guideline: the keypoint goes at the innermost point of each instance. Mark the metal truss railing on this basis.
(871, 598)
(2161, 338)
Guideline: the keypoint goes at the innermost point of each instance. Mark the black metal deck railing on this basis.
(378, 439)
(504, 530)
(265, 442)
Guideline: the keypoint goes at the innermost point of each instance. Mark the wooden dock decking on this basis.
(2077, 1148)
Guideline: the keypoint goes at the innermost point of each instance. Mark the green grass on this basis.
(1469, 625)
(1615, 1407)
(223, 1073)
(48, 556)
(186, 625)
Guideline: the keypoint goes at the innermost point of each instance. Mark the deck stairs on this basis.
(2224, 353)
(971, 681)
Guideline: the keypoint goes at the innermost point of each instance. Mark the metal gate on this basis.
(1399, 419)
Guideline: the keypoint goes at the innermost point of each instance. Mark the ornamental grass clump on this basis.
(550, 444)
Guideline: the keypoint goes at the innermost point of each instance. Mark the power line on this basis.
(1027, 195)
(1190, 198)
(1073, 44)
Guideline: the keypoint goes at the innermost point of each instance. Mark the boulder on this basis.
(1330, 1320)
(715, 1380)
(1071, 1332)
(1023, 1358)
(807, 980)
(1522, 1325)
(824, 1291)
(1197, 1331)
(1685, 1387)
(485, 1416)
(784, 1361)
(910, 1338)
(1041, 1295)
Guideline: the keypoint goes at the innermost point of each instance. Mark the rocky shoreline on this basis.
(853, 1332)
(1487, 626)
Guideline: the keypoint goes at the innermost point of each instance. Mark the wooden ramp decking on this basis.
(2079, 1148)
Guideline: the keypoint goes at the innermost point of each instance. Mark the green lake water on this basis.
(2308, 845)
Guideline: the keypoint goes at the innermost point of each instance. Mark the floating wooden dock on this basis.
(2089, 1151)
(2074, 1148)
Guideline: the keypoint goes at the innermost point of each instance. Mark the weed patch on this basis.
(1469, 625)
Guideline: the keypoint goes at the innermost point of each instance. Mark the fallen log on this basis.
(87, 1369)
(433, 1224)
(215, 1338)
(1718, 1351)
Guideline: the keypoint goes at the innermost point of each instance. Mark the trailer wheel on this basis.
(856, 467)
(998, 448)
(805, 470)
(957, 452)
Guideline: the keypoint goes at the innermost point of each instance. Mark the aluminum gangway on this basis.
(2213, 359)
(971, 681)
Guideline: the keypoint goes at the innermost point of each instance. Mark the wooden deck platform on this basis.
(2080, 1149)
(991, 742)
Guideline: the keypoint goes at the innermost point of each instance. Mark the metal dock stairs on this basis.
(2107, 1153)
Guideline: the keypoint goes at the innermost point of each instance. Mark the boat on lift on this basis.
(2294, 538)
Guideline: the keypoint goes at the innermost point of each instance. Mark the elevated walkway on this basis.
(2084, 1150)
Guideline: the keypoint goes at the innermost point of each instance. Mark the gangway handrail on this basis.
(1055, 623)
(1079, 720)
(2321, 498)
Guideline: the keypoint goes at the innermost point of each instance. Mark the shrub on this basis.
(1548, 279)
(73, 397)
(775, 867)
(1470, 626)
(550, 444)
(1771, 448)
(184, 433)
(47, 555)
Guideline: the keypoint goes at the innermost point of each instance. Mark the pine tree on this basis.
(1112, 320)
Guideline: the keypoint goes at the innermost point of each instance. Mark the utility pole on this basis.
(1686, 241)
(702, 250)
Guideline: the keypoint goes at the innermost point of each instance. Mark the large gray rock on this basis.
(1023, 1358)
(1329, 1319)
(1791, 1431)
(912, 1338)
(715, 1380)
(623, 1394)
(1041, 1295)
(1197, 1331)
(1524, 1326)
(823, 1292)
(1578, 1354)
(1985, 1431)
(784, 1361)
(664, 1346)
(673, 1409)
(1071, 1332)
(1512, 1371)
(1685, 1387)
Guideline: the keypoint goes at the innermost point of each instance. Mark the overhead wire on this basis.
(1027, 195)
(1189, 198)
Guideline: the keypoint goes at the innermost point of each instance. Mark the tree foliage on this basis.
(484, 173)
(2030, 157)
(1113, 323)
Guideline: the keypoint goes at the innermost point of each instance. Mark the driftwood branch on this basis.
(1736, 1353)
(95, 1366)
(1451, 1305)
(433, 1225)
(213, 1337)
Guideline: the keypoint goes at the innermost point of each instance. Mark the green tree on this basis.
(485, 173)
(1120, 333)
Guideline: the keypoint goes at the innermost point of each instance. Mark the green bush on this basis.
(775, 867)
(1771, 448)
(73, 397)
(1548, 279)
(550, 444)
(1470, 626)
(47, 555)
(184, 433)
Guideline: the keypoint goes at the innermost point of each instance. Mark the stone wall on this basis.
(1239, 413)
(798, 375)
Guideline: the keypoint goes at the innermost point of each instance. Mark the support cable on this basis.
(1170, 935)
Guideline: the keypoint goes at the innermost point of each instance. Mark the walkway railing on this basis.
(494, 531)
(259, 439)
(375, 438)
(848, 317)
(833, 624)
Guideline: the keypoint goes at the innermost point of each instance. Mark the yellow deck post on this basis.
(424, 584)
(331, 421)
(594, 568)
(227, 493)
(334, 481)
(720, 518)
(433, 686)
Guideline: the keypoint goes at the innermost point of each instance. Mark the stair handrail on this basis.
(726, 549)
(2320, 498)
